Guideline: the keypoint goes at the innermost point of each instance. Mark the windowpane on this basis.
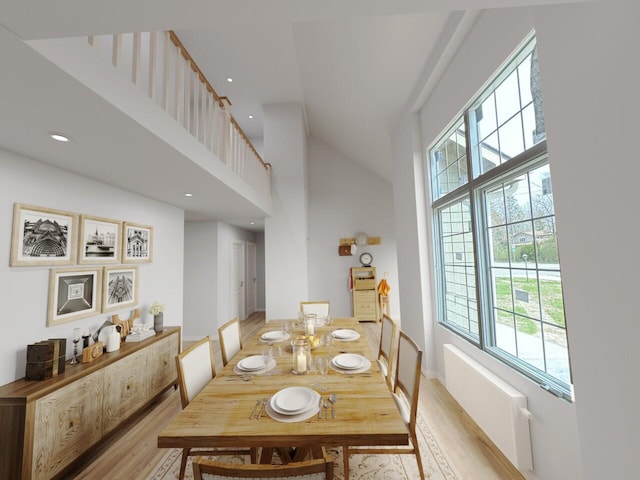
(517, 299)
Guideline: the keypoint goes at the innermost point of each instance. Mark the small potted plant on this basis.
(156, 309)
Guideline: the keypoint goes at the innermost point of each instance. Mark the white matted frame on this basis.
(43, 236)
(119, 288)
(100, 240)
(74, 293)
(137, 243)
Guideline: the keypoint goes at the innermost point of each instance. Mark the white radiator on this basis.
(498, 408)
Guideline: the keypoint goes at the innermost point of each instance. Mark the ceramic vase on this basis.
(157, 322)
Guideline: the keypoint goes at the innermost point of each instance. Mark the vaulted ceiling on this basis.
(355, 65)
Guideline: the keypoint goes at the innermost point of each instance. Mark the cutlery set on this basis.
(259, 409)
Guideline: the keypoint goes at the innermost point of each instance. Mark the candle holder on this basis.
(76, 339)
(301, 356)
(310, 320)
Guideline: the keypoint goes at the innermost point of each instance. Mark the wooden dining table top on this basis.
(219, 416)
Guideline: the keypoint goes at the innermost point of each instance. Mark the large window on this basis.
(497, 265)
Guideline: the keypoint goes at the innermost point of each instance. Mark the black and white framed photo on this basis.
(120, 288)
(137, 243)
(100, 240)
(43, 236)
(74, 293)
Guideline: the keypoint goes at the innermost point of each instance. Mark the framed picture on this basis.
(100, 240)
(42, 236)
(137, 243)
(74, 293)
(119, 288)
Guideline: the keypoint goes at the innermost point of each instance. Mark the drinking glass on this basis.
(322, 365)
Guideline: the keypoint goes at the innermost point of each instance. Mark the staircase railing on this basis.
(160, 65)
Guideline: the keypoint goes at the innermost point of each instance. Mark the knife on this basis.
(262, 408)
(320, 408)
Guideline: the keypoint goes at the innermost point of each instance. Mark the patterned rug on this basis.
(363, 467)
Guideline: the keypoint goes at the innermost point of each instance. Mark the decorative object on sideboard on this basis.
(157, 310)
(89, 354)
(125, 326)
(76, 339)
(113, 339)
(46, 359)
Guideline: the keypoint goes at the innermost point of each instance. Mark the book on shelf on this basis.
(138, 337)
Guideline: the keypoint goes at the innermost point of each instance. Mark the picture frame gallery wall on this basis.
(43, 236)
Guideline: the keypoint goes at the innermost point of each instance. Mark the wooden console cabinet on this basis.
(365, 297)
(46, 425)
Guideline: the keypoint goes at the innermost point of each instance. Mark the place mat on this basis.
(294, 400)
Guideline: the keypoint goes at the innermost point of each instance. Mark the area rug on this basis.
(363, 467)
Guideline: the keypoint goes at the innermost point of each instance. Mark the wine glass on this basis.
(322, 364)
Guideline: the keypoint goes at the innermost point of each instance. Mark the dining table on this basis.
(235, 409)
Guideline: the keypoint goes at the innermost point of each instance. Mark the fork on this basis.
(253, 412)
(263, 407)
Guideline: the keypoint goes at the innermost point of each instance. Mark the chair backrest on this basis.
(230, 342)
(319, 469)
(386, 349)
(320, 308)
(408, 372)
(195, 369)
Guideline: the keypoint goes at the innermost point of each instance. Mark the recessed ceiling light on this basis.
(229, 79)
(188, 194)
(253, 223)
(250, 116)
(59, 137)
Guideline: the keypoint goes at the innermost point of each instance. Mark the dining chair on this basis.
(196, 368)
(319, 469)
(405, 393)
(320, 308)
(230, 341)
(386, 348)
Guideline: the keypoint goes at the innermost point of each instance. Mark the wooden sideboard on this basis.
(365, 295)
(46, 425)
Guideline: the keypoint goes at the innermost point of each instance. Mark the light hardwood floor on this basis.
(132, 453)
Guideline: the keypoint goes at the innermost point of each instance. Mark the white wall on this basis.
(200, 280)
(285, 147)
(24, 289)
(260, 302)
(344, 199)
(496, 34)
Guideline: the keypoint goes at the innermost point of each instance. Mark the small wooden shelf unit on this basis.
(365, 298)
(46, 425)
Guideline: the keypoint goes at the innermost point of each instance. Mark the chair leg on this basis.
(414, 440)
(183, 463)
(254, 455)
(345, 461)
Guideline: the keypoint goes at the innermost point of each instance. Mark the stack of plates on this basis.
(345, 334)
(274, 336)
(253, 363)
(350, 363)
(293, 404)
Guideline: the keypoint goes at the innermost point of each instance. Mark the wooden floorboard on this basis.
(133, 453)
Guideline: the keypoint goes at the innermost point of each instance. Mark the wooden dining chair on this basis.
(230, 341)
(195, 370)
(405, 393)
(386, 348)
(320, 308)
(319, 469)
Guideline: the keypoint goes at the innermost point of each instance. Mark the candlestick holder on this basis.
(76, 339)
(301, 356)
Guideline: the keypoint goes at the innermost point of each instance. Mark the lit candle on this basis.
(310, 328)
(301, 362)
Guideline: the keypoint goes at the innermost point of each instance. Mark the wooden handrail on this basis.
(194, 66)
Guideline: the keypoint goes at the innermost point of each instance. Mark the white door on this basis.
(237, 280)
(251, 278)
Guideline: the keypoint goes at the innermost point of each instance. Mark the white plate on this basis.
(345, 334)
(274, 336)
(349, 361)
(294, 400)
(253, 363)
